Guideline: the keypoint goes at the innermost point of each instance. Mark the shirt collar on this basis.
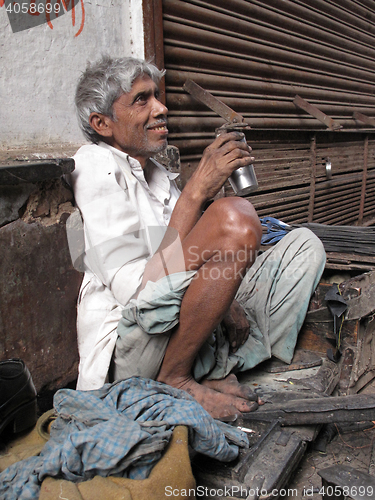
(135, 163)
(170, 175)
(119, 154)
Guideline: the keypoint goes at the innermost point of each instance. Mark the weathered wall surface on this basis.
(39, 287)
(40, 67)
(39, 70)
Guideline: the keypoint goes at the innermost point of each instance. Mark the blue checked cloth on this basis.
(119, 430)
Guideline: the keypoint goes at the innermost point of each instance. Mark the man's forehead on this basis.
(142, 84)
(143, 81)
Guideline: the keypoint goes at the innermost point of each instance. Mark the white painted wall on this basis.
(39, 68)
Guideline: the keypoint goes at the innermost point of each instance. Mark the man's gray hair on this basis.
(105, 81)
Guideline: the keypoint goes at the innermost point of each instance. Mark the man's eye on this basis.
(141, 99)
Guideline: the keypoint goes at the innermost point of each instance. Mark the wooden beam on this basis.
(324, 410)
(312, 110)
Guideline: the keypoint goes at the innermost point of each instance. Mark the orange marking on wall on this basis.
(65, 4)
(82, 21)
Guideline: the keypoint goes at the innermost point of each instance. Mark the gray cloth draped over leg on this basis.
(275, 295)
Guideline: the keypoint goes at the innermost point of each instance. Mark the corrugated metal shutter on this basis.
(256, 56)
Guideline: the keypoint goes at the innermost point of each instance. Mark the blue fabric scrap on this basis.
(276, 229)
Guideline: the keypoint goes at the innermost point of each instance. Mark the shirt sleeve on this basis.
(116, 250)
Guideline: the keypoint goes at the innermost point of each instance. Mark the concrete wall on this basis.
(40, 67)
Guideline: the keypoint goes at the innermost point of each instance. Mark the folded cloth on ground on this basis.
(119, 430)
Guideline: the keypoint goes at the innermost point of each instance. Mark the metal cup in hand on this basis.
(243, 180)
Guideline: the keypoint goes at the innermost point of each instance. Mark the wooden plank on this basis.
(353, 408)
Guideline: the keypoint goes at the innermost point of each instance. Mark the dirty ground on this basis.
(351, 444)
(333, 358)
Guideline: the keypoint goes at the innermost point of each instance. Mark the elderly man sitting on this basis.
(171, 293)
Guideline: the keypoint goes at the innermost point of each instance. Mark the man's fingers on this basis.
(229, 141)
(239, 147)
(229, 136)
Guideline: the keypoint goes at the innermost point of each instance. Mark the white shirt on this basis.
(124, 220)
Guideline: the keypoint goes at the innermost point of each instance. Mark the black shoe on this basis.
(18, 407)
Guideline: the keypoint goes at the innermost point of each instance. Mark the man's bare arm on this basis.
(219, 160)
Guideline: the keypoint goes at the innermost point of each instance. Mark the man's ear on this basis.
(101, 124)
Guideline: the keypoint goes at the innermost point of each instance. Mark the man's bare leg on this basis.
(229, 239)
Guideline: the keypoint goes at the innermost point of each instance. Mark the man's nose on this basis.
(159, 108)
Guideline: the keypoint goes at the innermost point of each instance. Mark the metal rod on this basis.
(316, 113)
(363, 118)
(212, 102)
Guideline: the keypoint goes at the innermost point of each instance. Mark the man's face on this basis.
(140, 126)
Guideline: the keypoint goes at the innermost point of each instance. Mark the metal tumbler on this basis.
(243, 180)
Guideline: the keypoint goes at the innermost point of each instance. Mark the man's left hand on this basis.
(236, 325)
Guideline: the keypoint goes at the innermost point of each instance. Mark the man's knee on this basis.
(237, 222)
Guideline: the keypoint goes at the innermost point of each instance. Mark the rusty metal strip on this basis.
(364, 179)
(310, 216)
(212, 102)
(364, 118)
(299, 102)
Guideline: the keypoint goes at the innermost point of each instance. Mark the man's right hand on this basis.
(227, 153)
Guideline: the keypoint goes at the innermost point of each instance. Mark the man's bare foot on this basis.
(230, 385)
(218, 404)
